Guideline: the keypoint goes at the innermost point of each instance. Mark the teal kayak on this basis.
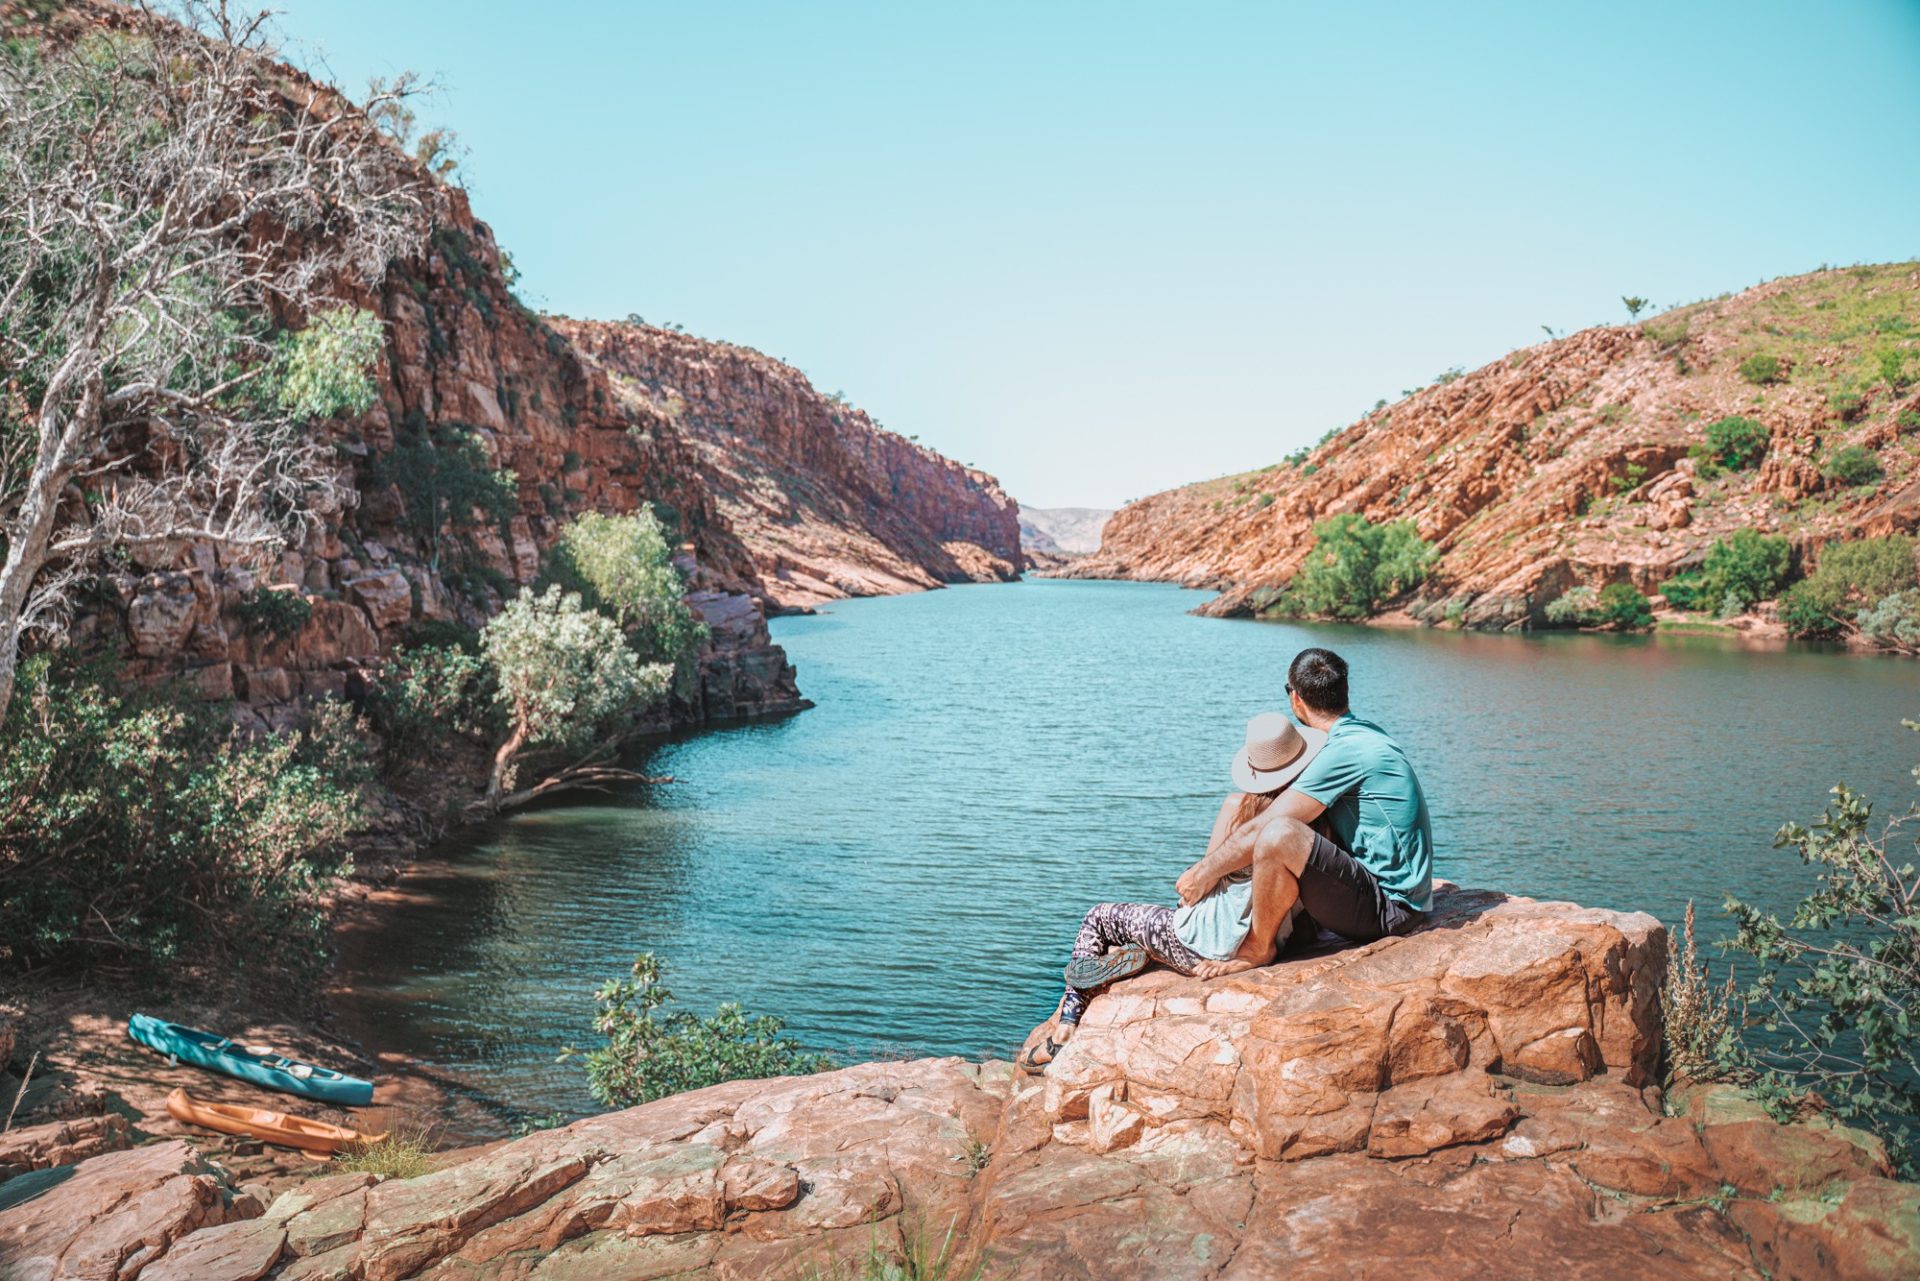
(258, 1064)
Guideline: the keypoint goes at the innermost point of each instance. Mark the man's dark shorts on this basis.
(1342, 895)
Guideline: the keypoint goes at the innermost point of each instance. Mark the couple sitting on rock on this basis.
(1328, 830)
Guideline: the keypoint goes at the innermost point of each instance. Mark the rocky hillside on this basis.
(1063, 531)
(465, 360)
(828, 503)
(1567, 463)
(1474, 1100)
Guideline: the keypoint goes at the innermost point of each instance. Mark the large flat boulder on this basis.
(1475, 1100)
(1307, 1056)
(108, 1218)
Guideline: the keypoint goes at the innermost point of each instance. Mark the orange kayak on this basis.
(266, 1125)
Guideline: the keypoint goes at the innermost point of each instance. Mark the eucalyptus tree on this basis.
(183, 221)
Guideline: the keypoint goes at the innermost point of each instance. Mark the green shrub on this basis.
(1849, 577)
(1747, 565)
(1909, 420)
(423, 698)
(1686, 591)
(1852, 465)
(1623, 607)
(622, 566)
(1761, 370)
(1572, 608)
(1619, 606)
(1354, 565)
(321, 371)
(1839, 983)
(138, 831)
(564, 676)
(1732, 444)
(1894, 622)
(445, 482)
(1740, 570)
(1847, 405)
(649, 1055)
(267, 611)
(1893, 368)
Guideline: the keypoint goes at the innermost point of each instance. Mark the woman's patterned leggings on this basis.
(1111, 925)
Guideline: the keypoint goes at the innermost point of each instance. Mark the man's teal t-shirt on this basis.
(1375, 808)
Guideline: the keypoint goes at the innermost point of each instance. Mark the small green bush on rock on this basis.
(649, 1055)
(1732, 444)
(1354, 566)
(267, 611)
(1761, 370)
(1852, 465)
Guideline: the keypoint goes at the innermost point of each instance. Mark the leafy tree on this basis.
(148, 185)
(622, 566)
(649, 1055)
(1634, 306)
(1747, 566)
(1893, 623)
(1732, 444)
(1852, 465)
(1617, 606)
(1740, 570)
(138, 831)
(1354, 565)
(424, 697)
(1849, 578)
(446, 482)
(565, 678)
(1840, 977)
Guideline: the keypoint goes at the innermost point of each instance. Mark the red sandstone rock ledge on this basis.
(1472, 1101)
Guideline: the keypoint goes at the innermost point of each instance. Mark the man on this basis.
(1366, 871)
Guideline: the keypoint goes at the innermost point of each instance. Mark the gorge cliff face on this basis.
(775, 496)
(1566, 463)
(828, 503)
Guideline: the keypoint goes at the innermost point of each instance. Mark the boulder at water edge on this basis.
(1473, 1101)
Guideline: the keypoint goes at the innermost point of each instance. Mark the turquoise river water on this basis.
(901, 869)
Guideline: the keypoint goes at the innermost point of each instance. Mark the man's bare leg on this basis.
(1279, 855)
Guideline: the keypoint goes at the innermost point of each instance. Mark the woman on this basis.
(1120, 939)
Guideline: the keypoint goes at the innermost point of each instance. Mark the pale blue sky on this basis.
(1104, 249)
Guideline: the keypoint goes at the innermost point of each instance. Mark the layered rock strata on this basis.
(828, 503)
(1474, 1100)
(1566, 463)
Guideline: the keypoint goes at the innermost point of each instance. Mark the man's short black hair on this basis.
(1319, 677)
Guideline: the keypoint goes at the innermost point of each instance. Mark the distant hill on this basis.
(1566, 463)
(1069, 531)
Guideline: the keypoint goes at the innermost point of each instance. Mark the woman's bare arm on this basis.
(1236, 851)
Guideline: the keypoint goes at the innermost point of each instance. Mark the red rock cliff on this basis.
(1566, 462)
(828, 503)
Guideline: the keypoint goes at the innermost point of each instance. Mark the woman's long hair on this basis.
(1253, 805)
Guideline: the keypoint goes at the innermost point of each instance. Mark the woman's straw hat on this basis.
(1275, 753)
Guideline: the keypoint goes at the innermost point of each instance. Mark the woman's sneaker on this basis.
(1090, 973)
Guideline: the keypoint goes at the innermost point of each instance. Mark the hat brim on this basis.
(1249, 779)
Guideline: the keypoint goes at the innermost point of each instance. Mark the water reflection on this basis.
(902, 867)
